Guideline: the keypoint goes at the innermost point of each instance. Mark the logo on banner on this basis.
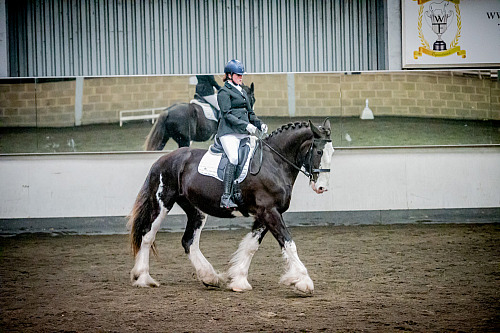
(441, 17)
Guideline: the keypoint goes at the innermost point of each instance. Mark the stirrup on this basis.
(227, 202)
(237, 196)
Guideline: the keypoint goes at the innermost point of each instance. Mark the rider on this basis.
(237, 120)
(205, 88)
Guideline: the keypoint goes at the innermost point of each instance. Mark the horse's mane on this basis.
(288, 126)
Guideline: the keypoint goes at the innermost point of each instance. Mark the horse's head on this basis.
(319, 157)
(250, 93)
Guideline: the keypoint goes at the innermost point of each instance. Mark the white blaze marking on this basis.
(323, 180)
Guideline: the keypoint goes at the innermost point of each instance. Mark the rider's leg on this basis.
(226, 200)
(231, 144)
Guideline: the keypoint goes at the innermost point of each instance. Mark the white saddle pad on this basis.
(210, 162)
(207, 110)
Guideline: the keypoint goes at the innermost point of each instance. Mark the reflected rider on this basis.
(207, 88)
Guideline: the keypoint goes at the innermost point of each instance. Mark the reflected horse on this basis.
(174, 178)
(185, 122)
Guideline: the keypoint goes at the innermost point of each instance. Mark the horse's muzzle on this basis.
(319, 189)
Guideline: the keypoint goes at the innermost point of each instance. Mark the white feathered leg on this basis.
(204, 270)
(240, 262)
(140, 273)
(296, 273)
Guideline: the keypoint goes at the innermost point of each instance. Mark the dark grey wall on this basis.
(117, 37)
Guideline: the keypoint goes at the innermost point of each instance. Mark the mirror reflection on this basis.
(106, 114)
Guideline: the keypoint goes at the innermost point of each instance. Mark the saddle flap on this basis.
(216, 147)
(215, 160)
(208, 110)
(243, 152)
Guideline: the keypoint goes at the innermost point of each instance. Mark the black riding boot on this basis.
(225, 200)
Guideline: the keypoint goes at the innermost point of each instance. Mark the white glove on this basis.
(251, 129)
(263, 128)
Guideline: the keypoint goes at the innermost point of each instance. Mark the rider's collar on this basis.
(234, 85)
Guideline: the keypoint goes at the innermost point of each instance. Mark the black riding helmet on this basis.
(234, 67)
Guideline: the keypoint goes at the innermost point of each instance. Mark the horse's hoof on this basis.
(145, 280)
(302, 283)
(240, 286)
(211, 280)
(305, 286)
(210, 285)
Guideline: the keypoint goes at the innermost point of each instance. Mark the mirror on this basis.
(413, 108)
(57, 115)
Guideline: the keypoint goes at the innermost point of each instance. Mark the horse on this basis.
(185, 122)
(174, 178)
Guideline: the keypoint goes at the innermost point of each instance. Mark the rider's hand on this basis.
(263, 128)
(251, 129)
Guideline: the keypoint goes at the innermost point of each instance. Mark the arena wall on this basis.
(382, 179)
(407, 94)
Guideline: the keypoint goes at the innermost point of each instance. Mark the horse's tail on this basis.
(158, 136)
(142, 215)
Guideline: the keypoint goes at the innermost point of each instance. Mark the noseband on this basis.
(309, 166)
(309, 170)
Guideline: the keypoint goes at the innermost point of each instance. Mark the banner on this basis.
(451, 33)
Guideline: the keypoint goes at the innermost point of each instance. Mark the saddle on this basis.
(210, 112)
(215, 160)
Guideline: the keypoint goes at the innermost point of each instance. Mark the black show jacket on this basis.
(236, 112)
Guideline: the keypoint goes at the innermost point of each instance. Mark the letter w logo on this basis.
(491, 15)
(439, 18)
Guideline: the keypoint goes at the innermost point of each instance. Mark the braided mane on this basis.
(285, 127)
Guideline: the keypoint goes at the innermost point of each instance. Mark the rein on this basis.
(308, 173)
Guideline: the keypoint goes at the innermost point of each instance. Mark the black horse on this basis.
(174, 178)
(185, 122)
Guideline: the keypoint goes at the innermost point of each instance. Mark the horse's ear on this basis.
(251, 87)
(327, 126)
(316, 131)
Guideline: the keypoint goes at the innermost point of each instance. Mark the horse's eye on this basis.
(320, 152)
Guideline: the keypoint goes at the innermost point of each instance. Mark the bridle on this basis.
(309, 156)
(308, 170)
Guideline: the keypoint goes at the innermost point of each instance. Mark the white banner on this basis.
(451, 33)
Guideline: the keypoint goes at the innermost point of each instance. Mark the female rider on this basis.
(237, 121)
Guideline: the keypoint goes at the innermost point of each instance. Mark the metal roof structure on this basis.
(115, 37)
